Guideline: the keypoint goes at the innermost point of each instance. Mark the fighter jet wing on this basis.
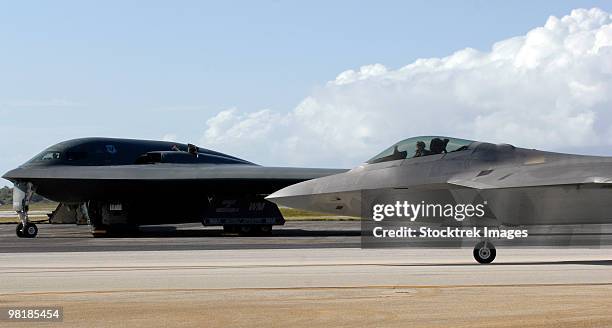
(534, 176)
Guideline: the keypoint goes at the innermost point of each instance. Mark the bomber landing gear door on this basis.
(242, 211)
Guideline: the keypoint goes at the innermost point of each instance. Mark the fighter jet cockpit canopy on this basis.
(421, 146)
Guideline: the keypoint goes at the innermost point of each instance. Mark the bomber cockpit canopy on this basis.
(421, 146)
(112, 151)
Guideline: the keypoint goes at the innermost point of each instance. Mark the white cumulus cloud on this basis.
(550, 88)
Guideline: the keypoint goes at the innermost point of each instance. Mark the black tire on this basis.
(99, 231)
(19, 231)
(99, 234)
(484, 255)
(229, 229)
(246, 230)
(265, 230)
(30, 230)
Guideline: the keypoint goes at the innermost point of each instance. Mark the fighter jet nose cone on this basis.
(299, 195)
(318, 195)
(300, 189)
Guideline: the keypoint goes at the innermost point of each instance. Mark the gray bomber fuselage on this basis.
(164, 180)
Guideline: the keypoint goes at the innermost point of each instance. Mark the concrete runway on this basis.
(292, 279)
(293, 235)
(193, 236)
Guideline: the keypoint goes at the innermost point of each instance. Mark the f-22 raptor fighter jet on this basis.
(521, 187)
(118, 184)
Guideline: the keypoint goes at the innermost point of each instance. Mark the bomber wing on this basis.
(169, 172)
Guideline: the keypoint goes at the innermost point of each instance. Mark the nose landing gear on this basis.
(30, 230)
(22, 193)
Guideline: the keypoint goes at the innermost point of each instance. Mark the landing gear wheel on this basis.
(484, 252)
(246, 230)
(99, 232)
(229, 229)
(19, 231)
(265, 230)
(29, 231)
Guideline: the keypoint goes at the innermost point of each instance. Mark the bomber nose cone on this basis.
(11, 175)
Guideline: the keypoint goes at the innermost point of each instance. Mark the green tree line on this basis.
(6, 196)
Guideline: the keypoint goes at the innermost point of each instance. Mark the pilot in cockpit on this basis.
(420, 149)
(438, 146)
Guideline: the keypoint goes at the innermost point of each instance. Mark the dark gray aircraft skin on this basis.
(123, 182)
(521, 186)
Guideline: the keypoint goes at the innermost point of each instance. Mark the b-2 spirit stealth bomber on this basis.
(118, 184)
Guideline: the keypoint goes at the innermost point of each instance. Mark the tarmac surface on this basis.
(192, 236)
(293, 235)
(308, 274)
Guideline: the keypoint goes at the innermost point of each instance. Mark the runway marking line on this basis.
(216, 267)
(154, 290)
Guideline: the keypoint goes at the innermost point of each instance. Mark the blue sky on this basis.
(145, 69)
